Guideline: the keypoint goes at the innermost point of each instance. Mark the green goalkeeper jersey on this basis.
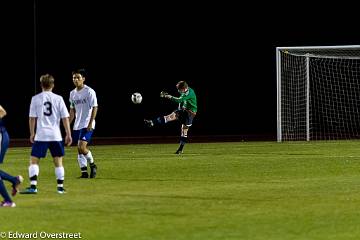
(187, 100)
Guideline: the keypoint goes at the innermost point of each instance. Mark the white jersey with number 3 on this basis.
(49, 108)
(83, 102)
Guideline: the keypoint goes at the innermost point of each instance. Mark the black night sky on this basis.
(225, 52)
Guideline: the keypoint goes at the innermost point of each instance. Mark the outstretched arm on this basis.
(176, 99)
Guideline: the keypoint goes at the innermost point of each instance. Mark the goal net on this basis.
(318, 93)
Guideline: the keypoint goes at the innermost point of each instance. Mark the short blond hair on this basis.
(47, 81)
(181, 85)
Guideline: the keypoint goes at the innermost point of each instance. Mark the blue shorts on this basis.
(185, 117)
(39, 149)
(82, 135)
(4, 143)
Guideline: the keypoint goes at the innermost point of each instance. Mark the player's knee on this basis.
(170, 118)
(82, 149)
(34, 160)
(58, 161)
(184, 127)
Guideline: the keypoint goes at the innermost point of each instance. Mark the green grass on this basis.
(247, 190)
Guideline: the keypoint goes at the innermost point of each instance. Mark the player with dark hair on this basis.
(185, 113)
(16, 181)
(83, 108)
(46, 111)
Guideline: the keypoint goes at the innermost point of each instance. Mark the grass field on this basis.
(245, 190)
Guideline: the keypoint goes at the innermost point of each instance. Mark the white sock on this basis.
(33, 171)
(165, 120)
(60, 173)
(82, 160)
(89, 157)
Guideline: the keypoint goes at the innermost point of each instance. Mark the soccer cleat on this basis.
(84, 175)
(61, 190)
(29, 190)
(15, 188)
(148, 123)
(93, 170)
(7, 204)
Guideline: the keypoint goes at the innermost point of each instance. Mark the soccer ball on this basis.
(136, 98)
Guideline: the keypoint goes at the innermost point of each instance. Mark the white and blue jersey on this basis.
(83, 101)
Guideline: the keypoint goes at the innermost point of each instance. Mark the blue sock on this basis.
(3, 192)
(183, 140)
(8, 177)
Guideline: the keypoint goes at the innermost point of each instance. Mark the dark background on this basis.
(225, 52)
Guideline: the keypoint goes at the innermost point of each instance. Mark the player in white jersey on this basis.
(83, 107)
(46, 111)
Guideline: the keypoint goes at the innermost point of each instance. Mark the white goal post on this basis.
(318, 92)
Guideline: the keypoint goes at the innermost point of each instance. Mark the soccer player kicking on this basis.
(46, 111)
(16, 181)
(83, 107)
(185, 113)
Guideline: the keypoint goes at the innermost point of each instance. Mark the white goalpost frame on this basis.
(278, 80)
(307, 98)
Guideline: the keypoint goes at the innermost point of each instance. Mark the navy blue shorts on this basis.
(40, 148)
(83, 135)
(185, 117)
(4, 143)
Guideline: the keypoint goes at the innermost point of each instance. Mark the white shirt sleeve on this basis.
(63, 110)
(32, 112)
(93, 99)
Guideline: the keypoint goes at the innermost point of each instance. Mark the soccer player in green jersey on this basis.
(185, 113)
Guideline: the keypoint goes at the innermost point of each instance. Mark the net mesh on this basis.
(334, 94)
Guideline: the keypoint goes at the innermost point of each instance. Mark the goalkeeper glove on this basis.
(163, 94)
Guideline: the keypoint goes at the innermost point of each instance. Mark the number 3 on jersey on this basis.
(48, 107)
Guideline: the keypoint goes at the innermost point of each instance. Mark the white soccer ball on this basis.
(136, 98)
